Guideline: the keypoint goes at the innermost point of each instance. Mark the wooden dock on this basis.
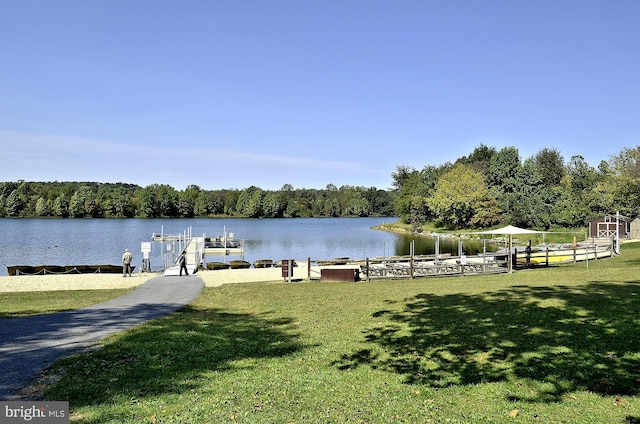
(408, 267)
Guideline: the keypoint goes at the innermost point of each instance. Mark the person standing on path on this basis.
(182, 260)
(127, 258)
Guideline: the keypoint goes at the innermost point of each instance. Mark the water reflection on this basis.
(426, 245)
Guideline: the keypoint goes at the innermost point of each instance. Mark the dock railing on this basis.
(430, 266)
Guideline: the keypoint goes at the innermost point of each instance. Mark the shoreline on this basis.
(217, 278)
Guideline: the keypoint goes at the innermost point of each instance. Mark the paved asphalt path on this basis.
(30, 344)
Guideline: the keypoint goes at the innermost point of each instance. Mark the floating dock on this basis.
(197, 249)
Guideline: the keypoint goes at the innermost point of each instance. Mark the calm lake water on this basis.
(102, 241)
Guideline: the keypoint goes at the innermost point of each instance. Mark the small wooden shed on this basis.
(605, 227)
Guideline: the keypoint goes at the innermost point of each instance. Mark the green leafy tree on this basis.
(625, 169)
(13, 204)
(550, 165)
(148, 204)
(331, 207)
(530, 204)
(250, 202)
(83, 203)
(480, 159)
(231, 201)
(120, 205)
(581, 177)
(42, 207)
(76, 206)
(61, 206)
(167, 198)
(186, 205)
(410, 183)
(208, 203)
(358, 206)
(459, 195)
(418, 212)
(292, 210)
(272, 205)
(505, 170)
(380, 201)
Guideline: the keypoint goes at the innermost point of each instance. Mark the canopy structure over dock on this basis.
(510, 230)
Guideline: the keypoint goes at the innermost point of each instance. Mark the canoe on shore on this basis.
(239, 264)
(334, 261)
(263, 263)
(212, 266)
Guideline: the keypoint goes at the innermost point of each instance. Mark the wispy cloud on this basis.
(50, 157)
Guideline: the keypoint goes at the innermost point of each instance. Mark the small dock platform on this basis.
(197, 249)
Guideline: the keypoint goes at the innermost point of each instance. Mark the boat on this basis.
(221, 243)
(239, 264)
(334, 261)
(21, 270)
(212, 266)
(67, 269)
(563, 256)
(223, 246)
(97, 269)
(263, 263)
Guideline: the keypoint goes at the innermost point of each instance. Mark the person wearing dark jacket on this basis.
(182, 260)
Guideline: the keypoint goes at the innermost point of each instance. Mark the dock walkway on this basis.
(195, 252)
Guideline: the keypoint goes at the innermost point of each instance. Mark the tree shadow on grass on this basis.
(564, 338)
(171, 355)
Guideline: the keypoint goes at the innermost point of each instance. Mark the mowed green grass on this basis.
(558, 345)
(19, 304)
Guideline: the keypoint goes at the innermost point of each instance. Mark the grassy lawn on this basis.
(558, 345)
(18, 304)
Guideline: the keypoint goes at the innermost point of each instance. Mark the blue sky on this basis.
(228, 94)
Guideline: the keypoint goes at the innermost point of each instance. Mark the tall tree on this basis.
(550, 164)
(272, 205)
(148, 204)
(459, 196)
(625, 168)
(61, 206)
(480, 159)
(13, 204)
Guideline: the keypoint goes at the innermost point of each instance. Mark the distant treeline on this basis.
(486, 188)
(120, 200)
(491, 187)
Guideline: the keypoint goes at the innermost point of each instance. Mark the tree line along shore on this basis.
(488, 187)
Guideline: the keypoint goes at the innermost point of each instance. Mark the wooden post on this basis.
(411, 267)
(547, 258)
(366, 264)
(484, 256)
(308, 268)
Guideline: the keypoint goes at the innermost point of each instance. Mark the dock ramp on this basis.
(195, 256)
